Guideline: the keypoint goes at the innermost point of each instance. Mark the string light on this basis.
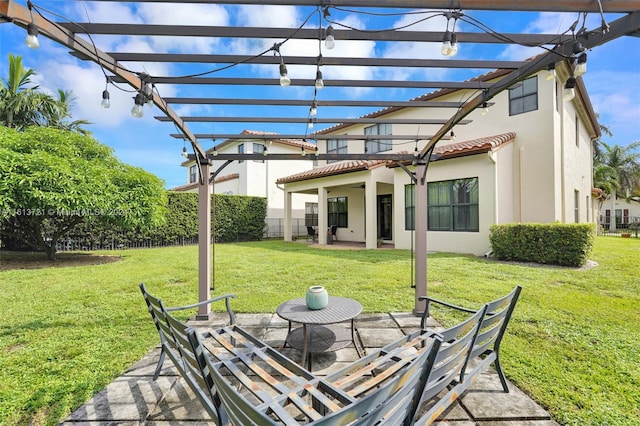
(138, 111)
(105, 103)
(485, 108)
(32, 36)
(453, 136)
(319, 82)
(310, 123)
(303, 153)
(581, 65)
(314, 109)
(264, 151)
(215, 151)
(284, 75)
(569, 89)
(330, 40)
(551, 71)
(185, 154)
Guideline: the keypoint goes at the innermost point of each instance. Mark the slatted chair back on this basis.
(495, 323)
(316, 402)
(172, 341)
(449, 368)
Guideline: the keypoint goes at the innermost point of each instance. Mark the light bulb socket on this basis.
(577, 47)
(454, 45)
(184, 152)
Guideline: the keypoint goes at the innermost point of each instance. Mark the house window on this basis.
(310, 214)
(453, 205)
(338, 212)
(409, 207)
(258, 148)
(576, 208)
(374, 146)
(336, 146)
(241, 151)
(523, 97)
(193, 173)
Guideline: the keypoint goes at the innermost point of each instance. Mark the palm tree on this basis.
(22, 104)
(619, 172)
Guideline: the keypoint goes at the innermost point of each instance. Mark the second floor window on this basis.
(193, 173)
(241, 151)
(523, 97)
(336, 146)
(258, 148)
(378, 145)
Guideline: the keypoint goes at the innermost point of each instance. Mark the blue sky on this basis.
(612, 80)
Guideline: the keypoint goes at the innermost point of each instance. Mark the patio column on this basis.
(322, 215)
(204, 241)
(421, 237)
(371, 216)
(288, 232)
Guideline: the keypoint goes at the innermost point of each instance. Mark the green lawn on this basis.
(573, 344)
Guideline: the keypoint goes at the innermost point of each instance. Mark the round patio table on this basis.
(315, 335)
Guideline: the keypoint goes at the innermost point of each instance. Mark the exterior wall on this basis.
(258, 179)
(480, 166)
(633, 207)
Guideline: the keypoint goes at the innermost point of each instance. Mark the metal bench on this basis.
(240, 379)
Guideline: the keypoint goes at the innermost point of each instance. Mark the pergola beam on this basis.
(238, 81)
(310, 136)
(280, 120)
(307, 103)
(313, 60)
(610, 6)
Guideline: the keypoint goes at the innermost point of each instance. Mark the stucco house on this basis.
(528, 158)
(625, 211)
(256, 177)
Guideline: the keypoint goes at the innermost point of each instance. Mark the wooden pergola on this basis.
(554, 48)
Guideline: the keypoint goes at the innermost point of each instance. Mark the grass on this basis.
(573, 344)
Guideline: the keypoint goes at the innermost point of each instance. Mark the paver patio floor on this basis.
(135, 399)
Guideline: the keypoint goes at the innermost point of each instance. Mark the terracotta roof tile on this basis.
(334, 169)
(474, 146)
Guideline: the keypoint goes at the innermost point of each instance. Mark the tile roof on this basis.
(333, 169)
(453, 150)
(474, 146)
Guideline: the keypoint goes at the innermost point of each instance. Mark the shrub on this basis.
(550, 243)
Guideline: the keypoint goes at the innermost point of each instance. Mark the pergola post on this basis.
(204, 240)
(420, 218)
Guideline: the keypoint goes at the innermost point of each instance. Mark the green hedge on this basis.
(549, 243)
(237, 218)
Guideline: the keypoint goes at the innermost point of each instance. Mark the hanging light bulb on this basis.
(454, 45)
(330, 40)
(581, 65)
(185, 154)
(137, 111)
(551, 71)
(314, 109)
(453, 136)
(485, 108)
(105, 103)
(284, 76)
(310, 123)
(569, 89)
(215, 151)
(415, 151)
(319, 82)
(303, 153)
(32, 36)
(264, 151)
(446, 43)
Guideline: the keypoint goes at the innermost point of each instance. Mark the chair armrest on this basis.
(429, 300)
(226, 297)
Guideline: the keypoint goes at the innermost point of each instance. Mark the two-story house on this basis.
(257, 177)
(528, 158)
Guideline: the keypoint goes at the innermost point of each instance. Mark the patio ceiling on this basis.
(339, 94)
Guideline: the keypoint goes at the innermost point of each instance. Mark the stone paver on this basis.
(134, 399)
